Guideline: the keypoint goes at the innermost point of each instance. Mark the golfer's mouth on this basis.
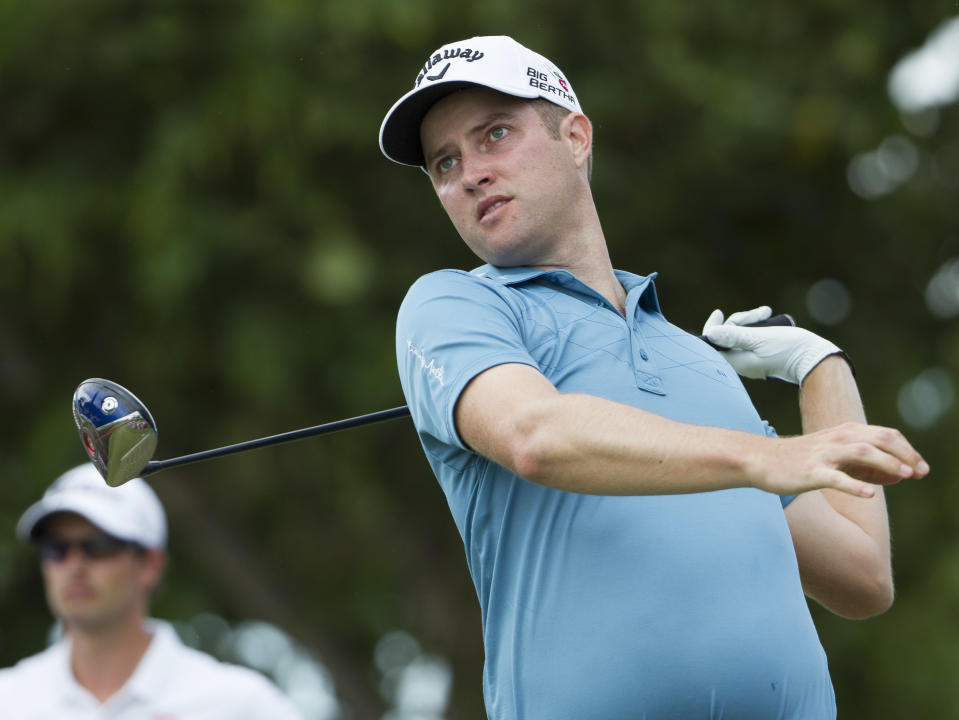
(77, 591)
(491, 207)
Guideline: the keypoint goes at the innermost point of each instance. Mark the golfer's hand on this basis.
(775, 351)
(852, 458)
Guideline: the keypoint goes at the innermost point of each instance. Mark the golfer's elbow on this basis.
(868, 595)
(875, 589)
(534, 452)
(878, 597)
(529, 458)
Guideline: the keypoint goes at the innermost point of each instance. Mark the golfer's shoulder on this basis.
(233, 685)
(447, 277)
(214, 673)
(445, 294)
(456, 283)
(29, 676)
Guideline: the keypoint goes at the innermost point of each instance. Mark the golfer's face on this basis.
(90, 591)
(500, 176)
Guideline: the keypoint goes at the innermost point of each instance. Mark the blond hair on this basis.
(552, 116)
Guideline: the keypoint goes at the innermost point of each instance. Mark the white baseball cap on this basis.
(497, 62)
(130, 512)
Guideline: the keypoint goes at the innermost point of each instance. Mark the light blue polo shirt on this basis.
(654, 607)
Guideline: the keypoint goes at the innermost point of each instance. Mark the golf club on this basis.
(119, 434)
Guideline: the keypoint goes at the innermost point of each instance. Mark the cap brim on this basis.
(400, 132)
(78, 505)
(38, 511)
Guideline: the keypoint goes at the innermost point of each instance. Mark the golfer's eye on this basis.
(498, 132)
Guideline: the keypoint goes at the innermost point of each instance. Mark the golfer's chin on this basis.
(500, 243)
(512, 253)
(82, 613)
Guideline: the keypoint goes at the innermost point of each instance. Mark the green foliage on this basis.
(193, 204)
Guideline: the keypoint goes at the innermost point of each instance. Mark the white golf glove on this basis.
(782, 352)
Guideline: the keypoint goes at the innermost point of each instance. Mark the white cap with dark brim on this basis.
(497, 62)
(130, 512)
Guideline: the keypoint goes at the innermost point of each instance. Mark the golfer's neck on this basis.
(590, 263)
(102, 660)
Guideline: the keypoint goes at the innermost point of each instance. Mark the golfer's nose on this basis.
(476, 171)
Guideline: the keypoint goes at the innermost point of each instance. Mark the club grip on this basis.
(783, 319)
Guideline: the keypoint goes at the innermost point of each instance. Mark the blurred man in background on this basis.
(102, 555)
(639, 538)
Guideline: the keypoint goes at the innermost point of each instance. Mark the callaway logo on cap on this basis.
(497, 62)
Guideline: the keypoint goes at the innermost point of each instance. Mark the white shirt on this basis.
(171, 682)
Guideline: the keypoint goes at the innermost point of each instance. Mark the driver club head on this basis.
(116, 429)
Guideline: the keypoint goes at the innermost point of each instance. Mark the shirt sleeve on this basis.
(438, 352)
(770, 431)
(262, 700)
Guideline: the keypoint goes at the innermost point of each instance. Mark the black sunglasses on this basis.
(94, 547)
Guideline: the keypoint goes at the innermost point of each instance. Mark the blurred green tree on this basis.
(193, 203)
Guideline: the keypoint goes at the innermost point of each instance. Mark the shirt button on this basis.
(643, 355)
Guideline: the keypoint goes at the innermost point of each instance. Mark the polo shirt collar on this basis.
(156, 664)
(509, 275)
(61, 676)
(630, 281)
(146, 682)
(644, 285)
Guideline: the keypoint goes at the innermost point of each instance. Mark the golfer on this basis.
(639, 539)
(102, 556)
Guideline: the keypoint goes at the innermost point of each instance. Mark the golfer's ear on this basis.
(577, 131)
(154, 565)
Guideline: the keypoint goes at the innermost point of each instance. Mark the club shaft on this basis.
(330, 427)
